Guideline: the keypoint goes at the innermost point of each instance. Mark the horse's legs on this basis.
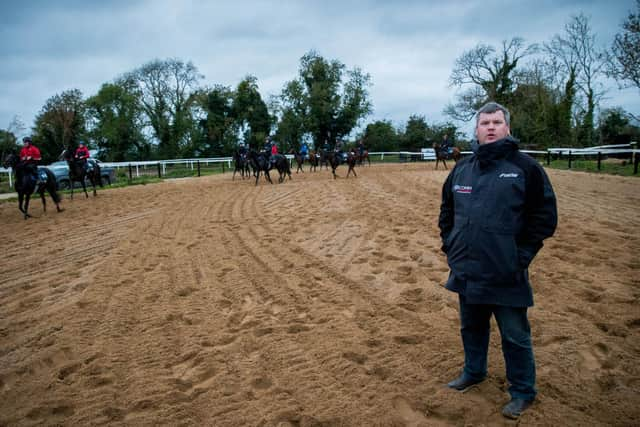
(20, 201)
(26, 206)
(44, 201)
(84, 188)
(93, 183)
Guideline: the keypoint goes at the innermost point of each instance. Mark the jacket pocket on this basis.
(497, 255)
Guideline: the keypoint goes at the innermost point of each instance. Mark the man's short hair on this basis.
(492, 107)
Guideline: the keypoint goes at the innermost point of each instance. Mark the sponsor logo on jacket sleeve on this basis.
(462, 189)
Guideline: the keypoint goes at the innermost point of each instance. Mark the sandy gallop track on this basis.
(314, 302)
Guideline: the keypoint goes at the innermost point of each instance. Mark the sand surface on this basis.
(208, 301)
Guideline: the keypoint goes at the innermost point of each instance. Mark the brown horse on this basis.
(441, 157)
(313, 161)
(299, 159)
(362, 157)
(335, 159)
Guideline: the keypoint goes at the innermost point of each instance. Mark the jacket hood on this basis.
(495, 150)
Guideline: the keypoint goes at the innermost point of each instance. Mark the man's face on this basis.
(491, 127)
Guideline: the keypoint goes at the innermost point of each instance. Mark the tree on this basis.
(616, 128)
(9, 137)
(381, 136)
(165, 89)
(251, 112)
(415, 134)
(116, 122)
(217, 134)
(326, 99)
(486, 76)
(577, 50)
(624, 60)
(60, 124)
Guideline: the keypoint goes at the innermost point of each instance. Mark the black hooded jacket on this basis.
(497, 208)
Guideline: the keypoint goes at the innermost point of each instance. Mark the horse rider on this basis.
(242, 150)
(274, 151)
(304, 150)
(30, 156)
(82, 155)
(361, 148)
(326, 147)
(445, 147)
(339, 151)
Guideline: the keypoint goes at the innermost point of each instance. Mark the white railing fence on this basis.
(139, 168)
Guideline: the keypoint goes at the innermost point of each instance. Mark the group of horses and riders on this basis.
(246, 159)
(32, 179)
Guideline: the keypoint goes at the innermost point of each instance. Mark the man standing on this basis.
(497, 208)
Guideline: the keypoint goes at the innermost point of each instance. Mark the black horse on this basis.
(281, 163)
(324, 158)
(29, 180)
(80, 170)
(336, 158)
(259, 163)
(241, 165)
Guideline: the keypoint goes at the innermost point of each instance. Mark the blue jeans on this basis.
(516, 345)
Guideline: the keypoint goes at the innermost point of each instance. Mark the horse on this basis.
(299, 159)
(80, 170)
(281, 164)
(442, 157)
(27, 183)
(324, 158)
(313, 160)
(241, 165)
(335, 159)
(260, 163)
(361, 157)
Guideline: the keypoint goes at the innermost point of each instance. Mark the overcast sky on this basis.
(408, 47)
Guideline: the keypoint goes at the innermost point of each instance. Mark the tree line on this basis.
(162, 110)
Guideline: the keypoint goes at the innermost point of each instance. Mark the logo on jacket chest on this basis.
(508, 175)
(462, 189)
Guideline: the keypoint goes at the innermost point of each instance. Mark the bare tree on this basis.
(486, 75)
(624, 59)
(576, 52)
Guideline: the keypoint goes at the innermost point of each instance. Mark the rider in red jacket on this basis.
(30, 156)
(29, 153)
(82, 152)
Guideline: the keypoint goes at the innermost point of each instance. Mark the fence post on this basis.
(130, 173)
(159, 171)
(599, 159)
(548, 157)
(198, 162)
(635, 164)
(222, 163)
(569, 159)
